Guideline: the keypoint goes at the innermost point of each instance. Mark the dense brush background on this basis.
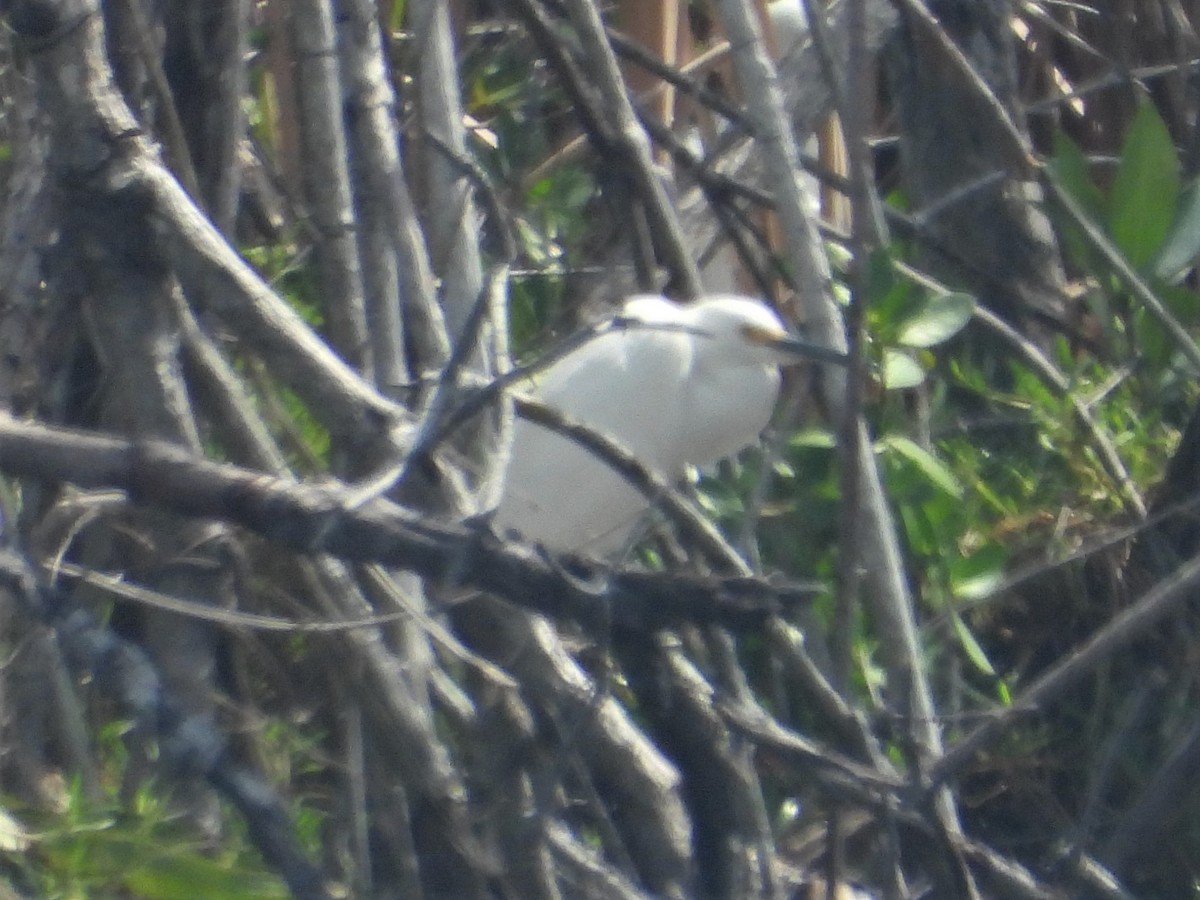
(297, 237)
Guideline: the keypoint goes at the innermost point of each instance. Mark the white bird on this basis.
(789, 22)
(692, 393)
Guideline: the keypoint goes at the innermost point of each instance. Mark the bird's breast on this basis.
(727, 411)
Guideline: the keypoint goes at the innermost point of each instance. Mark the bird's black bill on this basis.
(806, 350)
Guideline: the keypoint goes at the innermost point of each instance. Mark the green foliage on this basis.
(1145, 190)
(1181, 247)
(551, 221)
(1070, 167)
(998, 467)
(1154, 221)
(290, 419)
(289, 272)
(1151, 218)
(519, 110)
(396, 14)
(937, 320)
(905, 318)
(109, 846)
(99, 849)
(901, 369)
(924, 468)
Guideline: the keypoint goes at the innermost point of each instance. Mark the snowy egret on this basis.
(694, 385)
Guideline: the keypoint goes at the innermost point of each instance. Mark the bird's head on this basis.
(743, 331)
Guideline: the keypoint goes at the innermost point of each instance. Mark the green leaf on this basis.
(919, 532)
(1003, 693)
(1182, 245)
(1073, 172)
(901, 370)
(1153, 343)
(816, 438)
(881, 276)
(978, 574)
(396, 19)
(893, 300)
(935, 471)
(1182, 301)
(970, 646)
(938, 320)
(1145, 191)
(182, 877)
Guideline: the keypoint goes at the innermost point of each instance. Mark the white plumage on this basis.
(674, 398)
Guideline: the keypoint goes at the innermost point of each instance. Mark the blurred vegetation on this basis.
(996, 484)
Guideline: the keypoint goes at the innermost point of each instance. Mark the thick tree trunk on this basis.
(983, 228)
